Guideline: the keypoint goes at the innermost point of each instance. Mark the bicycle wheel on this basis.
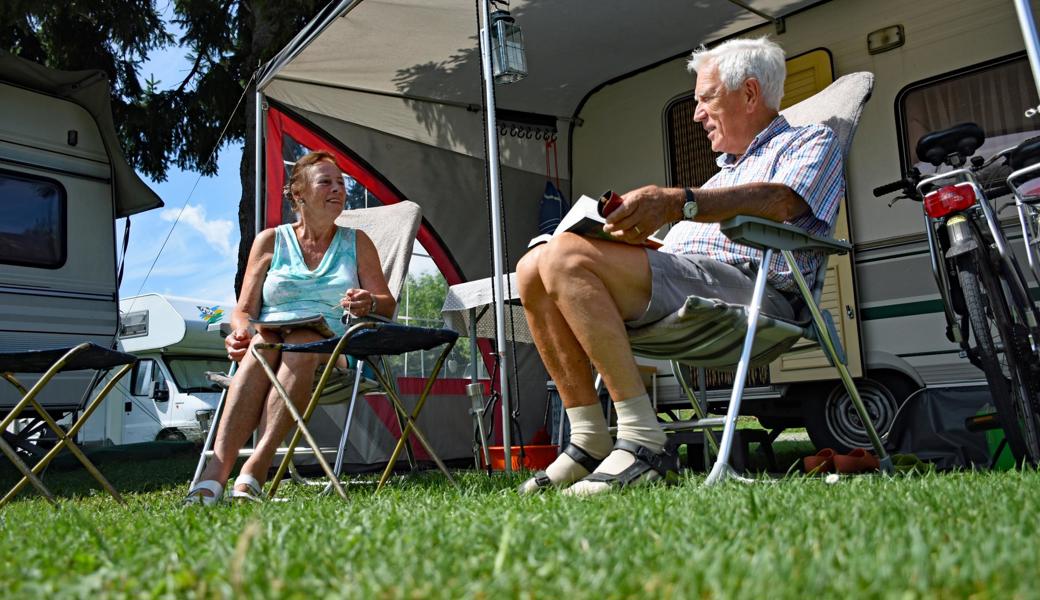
(992, 345)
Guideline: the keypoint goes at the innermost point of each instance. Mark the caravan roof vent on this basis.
(134, 324)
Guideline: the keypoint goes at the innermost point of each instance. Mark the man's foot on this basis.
(570, 466)
(629, 464)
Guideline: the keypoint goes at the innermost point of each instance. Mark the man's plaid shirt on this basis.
(807, 160)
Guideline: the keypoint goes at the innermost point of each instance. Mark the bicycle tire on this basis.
(987, 313)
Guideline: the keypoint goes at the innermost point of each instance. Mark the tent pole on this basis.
(258, 157)
(498, 281)
(1025, 21)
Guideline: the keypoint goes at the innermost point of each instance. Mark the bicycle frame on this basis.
(1030, 223)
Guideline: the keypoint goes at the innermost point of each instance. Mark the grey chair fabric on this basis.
(392, 229)
(707, 332)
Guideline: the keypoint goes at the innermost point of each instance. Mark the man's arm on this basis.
(650, 207)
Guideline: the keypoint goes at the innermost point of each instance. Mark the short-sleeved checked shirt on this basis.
(807, 160)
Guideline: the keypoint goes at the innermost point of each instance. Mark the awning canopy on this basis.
(398, 83)
(89, 89)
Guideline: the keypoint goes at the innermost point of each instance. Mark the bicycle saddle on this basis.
(1025, 154)
(963, 139)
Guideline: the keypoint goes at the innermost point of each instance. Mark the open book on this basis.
(587, 217)
(316, 323)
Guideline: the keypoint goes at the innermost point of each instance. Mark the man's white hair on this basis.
(739, 60)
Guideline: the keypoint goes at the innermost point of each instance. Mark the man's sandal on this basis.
(196, 497)
(541, 480)
(254, 492)
(649, 466)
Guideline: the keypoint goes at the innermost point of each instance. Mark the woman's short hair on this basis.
(296, 179)
(739, 60)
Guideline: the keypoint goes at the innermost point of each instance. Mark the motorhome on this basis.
(607, 104)
(168, 395)
(63, 183)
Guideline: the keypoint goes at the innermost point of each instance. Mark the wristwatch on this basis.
(372, 308)
(689, 208)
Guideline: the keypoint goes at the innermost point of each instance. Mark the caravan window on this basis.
(32, 230)
(145, 373)
(995, 95)
(190, 373)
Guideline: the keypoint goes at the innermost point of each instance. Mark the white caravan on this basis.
(63, 182)
(167, 395)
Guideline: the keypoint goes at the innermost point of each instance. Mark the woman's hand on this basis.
(358, 302)
(237, 342)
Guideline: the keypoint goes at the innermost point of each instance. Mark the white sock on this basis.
(637, 423)
(588, 432)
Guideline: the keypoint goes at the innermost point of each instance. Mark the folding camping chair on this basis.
(392, 229)
(85, 356)
(709, 333)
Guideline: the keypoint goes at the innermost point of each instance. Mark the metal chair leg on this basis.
(721, 470)
(829, 347)
(211, 436)
(301, 424)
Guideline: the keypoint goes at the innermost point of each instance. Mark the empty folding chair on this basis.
(85, 356)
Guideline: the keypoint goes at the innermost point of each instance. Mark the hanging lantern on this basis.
(509, 64)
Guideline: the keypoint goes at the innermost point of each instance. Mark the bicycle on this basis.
(984, 294)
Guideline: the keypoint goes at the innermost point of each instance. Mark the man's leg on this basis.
(296, 374)
(577, 293)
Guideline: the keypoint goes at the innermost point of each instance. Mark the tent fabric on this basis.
(88, 89)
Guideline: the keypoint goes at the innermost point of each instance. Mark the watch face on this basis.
(689, 210)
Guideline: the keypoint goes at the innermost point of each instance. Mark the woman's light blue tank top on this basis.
(291, 290)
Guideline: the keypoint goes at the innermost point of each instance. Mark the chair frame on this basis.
(769, 237)
(384, 377)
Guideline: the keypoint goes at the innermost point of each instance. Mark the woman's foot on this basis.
(247, 488)
(205, 493)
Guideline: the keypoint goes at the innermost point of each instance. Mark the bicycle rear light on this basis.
(949, 199)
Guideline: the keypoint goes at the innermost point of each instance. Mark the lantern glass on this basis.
(508, 61)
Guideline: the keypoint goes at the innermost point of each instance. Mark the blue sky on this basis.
(199, 258)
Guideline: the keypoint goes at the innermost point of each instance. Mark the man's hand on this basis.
(237, 342)
(643, 211)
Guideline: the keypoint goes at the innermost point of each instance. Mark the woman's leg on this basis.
(296, 374)
(242, 409)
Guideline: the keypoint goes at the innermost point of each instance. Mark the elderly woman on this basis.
(294, 270)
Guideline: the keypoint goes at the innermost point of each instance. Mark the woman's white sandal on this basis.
(197, 497)
(255, 489)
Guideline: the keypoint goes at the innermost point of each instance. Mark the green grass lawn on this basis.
(953, 535)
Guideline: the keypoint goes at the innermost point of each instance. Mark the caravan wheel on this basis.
(832, 421)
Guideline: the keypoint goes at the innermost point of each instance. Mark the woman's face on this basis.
(323, 194)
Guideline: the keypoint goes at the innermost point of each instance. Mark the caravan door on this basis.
(141, 415)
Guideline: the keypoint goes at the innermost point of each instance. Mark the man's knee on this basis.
(566, 256)
(528, 276)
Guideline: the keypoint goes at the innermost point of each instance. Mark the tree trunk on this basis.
(262, 36)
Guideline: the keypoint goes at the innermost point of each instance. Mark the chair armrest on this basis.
(763, 233)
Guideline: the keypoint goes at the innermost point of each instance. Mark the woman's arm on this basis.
(372, 281)
(250, 298)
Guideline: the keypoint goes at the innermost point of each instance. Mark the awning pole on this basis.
(258, 157)
(1028, 25)
(498, 282)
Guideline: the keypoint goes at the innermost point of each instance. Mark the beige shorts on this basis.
(676, 276)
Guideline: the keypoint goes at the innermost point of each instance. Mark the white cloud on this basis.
(218, 232)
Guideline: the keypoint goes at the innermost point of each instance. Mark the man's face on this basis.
(724, 114)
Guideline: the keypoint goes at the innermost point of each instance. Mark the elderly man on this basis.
(580, 294)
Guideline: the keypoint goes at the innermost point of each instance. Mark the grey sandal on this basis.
(649, 466)
(541, 480)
